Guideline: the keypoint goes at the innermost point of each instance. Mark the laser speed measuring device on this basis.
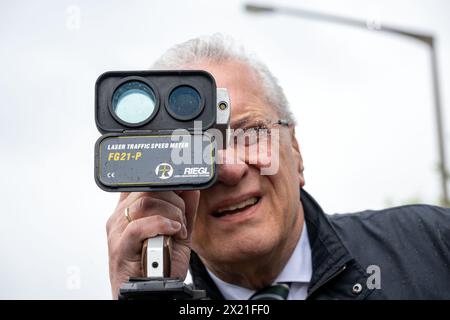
(161, 130)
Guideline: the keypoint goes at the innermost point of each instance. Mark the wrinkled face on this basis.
(246, 215)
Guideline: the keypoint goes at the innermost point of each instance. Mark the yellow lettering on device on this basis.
(138, 155)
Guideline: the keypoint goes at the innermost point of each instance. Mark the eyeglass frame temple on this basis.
(283, 122)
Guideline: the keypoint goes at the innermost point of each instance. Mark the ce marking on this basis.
(111, 175)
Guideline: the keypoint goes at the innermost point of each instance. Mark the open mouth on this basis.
(237, 208)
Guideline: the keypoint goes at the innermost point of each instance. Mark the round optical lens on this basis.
(184, 103)
(133, 102)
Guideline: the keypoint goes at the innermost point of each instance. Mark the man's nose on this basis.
(231, 168)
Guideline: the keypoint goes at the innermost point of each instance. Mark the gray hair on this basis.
(219, 48)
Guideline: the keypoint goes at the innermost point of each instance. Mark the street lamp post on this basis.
(427, 39)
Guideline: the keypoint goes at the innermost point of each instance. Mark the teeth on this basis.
(243, 204)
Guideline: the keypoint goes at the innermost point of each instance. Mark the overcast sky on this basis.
(363, 101)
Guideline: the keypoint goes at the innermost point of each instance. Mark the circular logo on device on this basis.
(164, 171)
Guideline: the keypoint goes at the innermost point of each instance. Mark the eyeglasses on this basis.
(256, 132)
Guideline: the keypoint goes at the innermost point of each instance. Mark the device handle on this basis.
(155, 257)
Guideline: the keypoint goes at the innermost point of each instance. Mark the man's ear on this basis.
(298, 156)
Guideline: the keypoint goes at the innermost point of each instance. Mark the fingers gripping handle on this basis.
(156, 257)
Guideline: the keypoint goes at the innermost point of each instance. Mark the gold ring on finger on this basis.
(127, 214)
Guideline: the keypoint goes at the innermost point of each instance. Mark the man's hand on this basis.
(152, 213)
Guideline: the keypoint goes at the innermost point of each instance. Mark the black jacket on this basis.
(410, 245)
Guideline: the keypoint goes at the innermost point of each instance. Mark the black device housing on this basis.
(162, 83)
(161, 123)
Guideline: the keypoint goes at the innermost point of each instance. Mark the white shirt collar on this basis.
(298, 269)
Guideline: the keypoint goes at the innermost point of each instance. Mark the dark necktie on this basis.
(279, 291)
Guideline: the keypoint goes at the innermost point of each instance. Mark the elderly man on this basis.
(253, 234)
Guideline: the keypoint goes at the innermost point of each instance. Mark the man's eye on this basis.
(251, 135)
(256, 128)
